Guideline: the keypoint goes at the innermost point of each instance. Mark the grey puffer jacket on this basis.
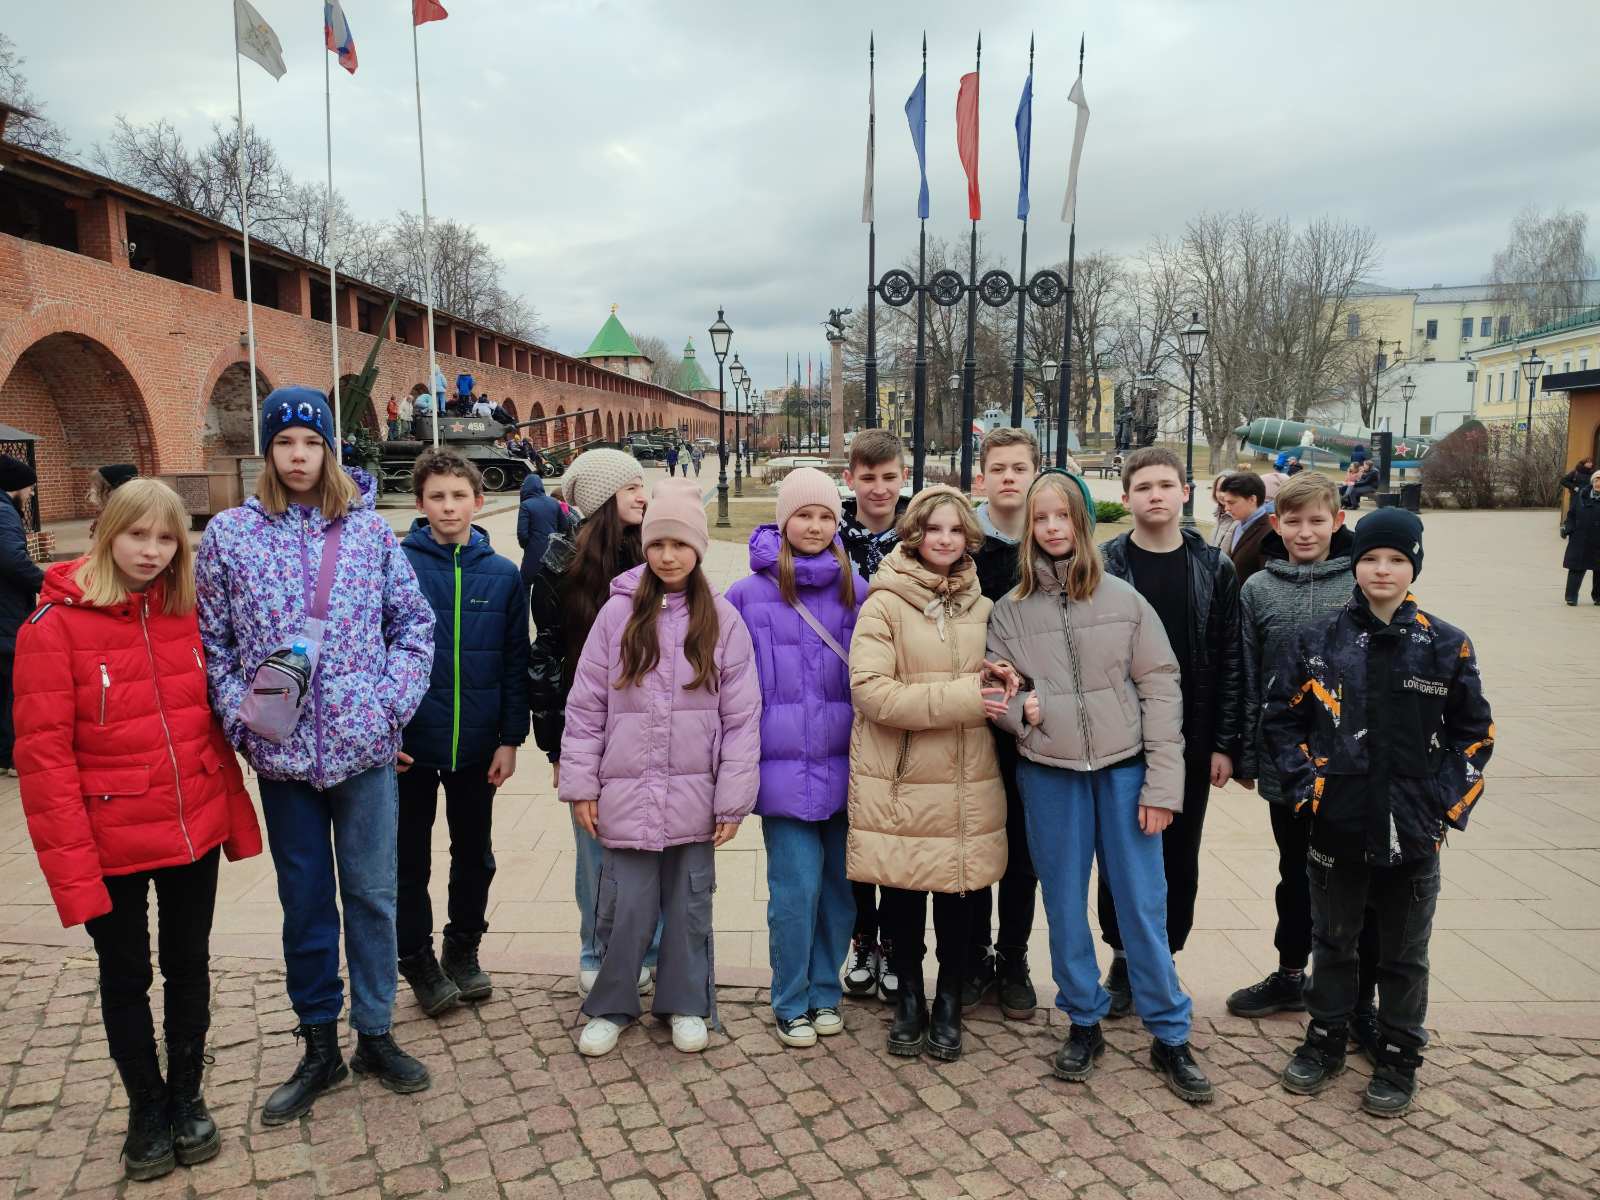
(1274, 602)
(1106, 677)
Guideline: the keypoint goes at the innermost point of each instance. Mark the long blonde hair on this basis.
(336, 491)
(135, 501)
(1085, 570)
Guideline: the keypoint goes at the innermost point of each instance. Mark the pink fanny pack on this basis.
(282, 684)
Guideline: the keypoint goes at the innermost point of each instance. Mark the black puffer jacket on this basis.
(1582, 531)
(20, 577)
(1213, 689)
(1380, 732)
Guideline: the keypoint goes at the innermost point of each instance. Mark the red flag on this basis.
(967, 140)
(423, 11)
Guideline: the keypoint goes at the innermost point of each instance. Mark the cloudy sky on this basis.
(673, 157)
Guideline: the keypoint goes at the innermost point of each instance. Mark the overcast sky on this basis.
(671, 157)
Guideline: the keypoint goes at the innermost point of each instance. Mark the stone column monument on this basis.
(837, 455)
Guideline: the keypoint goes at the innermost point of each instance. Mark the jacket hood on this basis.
(810, 570)
(990, 530)
(627, 584)
(902, 573)
(532, 486)
(421, 539)
(61, 587)
(1275, 556)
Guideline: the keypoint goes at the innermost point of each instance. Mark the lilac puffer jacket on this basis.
(668, 765)
(805, 686)
(255, 574)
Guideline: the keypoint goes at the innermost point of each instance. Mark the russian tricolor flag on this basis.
(339, 37)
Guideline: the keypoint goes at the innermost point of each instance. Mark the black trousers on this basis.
(1292, 899)
(1019, 885)
(8, 731)
(1574, 584)
(186, 896)
(866, 895)
(1180, 855)
(902, 919)
(469, 809)
(1399, 901)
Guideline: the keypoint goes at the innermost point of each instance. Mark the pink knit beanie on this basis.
(677, 510)
(803, 486)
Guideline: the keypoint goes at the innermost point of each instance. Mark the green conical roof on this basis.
(690, 378)
(613, 341)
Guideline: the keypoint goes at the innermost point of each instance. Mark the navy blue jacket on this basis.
(20, 577)
(477, 698)
(537, 518)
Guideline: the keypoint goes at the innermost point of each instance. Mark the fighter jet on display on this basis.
(1269, 435)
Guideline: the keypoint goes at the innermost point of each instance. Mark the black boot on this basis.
(320, 1068)
(1120, 989)
(1075, 1059)
(147, 1152)
(1318, 1061)
(981, 977)
(1394, 1081)
(194, 1133)
(908, 1032)
(461, 964)
(944, 1027)
(396, 1070)
(1018, 1000)
(1282, 991)
(1182, 1074)
(435, 991)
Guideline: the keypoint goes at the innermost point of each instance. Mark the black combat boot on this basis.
(1018, 1000)
(944, 1028)
(377, 1054)
(908, 1032)
(194, 1134)
(1318, 1061)
(1183, 1075)
(435, 991)
(461, 964)
(1394, 1081)
(320, 1068)
(147, 1152)
(1075, 1059)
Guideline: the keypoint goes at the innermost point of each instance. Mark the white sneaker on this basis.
(647, 980)
(888, 986)
(827, 1022)
(797, 1031)
(688, 1033)
(599, 1037)
(586, 980)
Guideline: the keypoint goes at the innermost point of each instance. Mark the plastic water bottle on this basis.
(299, 657)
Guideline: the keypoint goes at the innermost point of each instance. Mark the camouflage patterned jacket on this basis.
(1380, 732)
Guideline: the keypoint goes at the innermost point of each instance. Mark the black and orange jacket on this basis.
(1380, 732)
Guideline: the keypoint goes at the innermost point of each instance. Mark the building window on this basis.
(1433, 330)
(1466, 327)
(1424, 426)
(1500, 391)
(1503, 329)
(1484, 326)
(1352, 325)
(1566, 366)
(1583, 363)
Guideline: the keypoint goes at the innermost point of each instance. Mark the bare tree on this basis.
(36, 131)
(1540, 272)
(664, 363)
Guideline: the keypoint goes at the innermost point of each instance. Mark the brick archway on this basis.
(227, 420)
(611, 427)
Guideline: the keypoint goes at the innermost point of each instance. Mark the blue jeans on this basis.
(1072, 817)
(586, 890)
(810, 912)
(353, 823)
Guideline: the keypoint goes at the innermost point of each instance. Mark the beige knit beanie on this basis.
(597, 475)
(677, 510)
(803, 486)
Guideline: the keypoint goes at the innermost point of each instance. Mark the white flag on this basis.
(872, 119)
(1069, 206)
(254, 39)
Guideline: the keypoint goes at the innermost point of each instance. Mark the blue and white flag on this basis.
(917, 116)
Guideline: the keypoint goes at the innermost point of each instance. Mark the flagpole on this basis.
(244, 227)
(1063, 403)
(969, 368)
(919, 377)
(427, 245)
(333, 271)
(871, 381)
(1022, 279)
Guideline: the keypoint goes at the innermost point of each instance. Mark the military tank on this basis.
(476, 438)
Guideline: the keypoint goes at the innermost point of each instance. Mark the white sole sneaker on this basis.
(689, 1033)
(586, 981)
(599, 1037)
(827, 1022)
(798, 1036)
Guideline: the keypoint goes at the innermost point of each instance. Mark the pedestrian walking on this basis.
(1581, 529)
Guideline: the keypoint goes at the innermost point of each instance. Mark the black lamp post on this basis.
(1408, 389)
(744, 441)
(1048, 369)
(736, 375)
(955, 446)
(721, 334)
(1192, 341)
(1531, 367)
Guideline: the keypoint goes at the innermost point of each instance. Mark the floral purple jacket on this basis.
(254, 576)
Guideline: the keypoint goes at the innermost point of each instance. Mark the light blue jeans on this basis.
(811, 912)
(1073, 816)
(586, 890)
(352, 824)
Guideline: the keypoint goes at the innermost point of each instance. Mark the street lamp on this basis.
(721, 334)
(955, 386)
(1051, 370)
(1192, 342)
(1408, 389)
(736, 376)
(1530, 368)
(744, 440)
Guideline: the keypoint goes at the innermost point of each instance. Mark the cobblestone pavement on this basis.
(515, 1111)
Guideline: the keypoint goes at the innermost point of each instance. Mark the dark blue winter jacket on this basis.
(20, 577)
(477, 699)
(538, 517)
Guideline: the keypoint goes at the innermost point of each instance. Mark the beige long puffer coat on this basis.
(927, 810)
(1106, 677)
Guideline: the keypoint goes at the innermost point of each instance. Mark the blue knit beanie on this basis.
(287, 407)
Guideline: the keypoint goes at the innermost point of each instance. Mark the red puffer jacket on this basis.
(123, 767)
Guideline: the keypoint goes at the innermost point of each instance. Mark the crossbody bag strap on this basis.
(816, 627)
(330, 562)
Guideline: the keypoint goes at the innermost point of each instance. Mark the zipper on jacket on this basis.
(161, 710)
(1077, 679)
(455, 684)
(961, 766)
(198, 661)
(316, 687)
(105, 687)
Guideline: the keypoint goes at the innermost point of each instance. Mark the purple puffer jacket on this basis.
(805, 686)
(255, 575)
(668, 765)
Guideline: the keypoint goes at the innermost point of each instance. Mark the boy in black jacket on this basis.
(465, 733)
(1377, 721)
(1192, 588)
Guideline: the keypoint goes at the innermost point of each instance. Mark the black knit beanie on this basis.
(1390, 529)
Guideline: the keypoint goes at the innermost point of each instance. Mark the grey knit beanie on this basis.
(597, 475)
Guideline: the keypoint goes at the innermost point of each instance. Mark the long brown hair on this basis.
(786, 583)
(1085, 570)
(337, 493)
(602, 550)
(641, 650)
